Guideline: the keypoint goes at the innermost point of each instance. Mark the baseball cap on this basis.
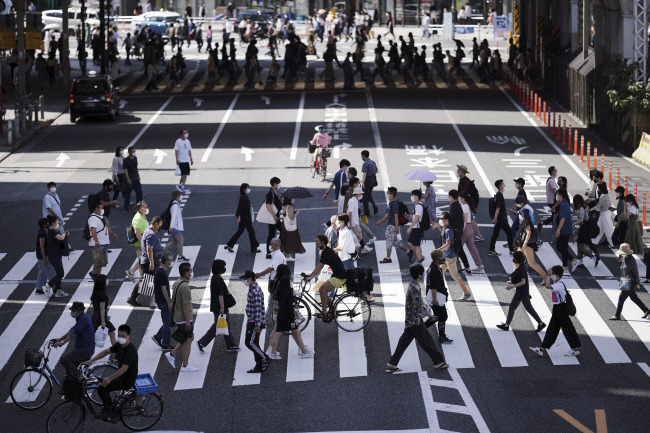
(520, 180)
(247, 275)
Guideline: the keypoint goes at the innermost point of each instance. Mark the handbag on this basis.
(178, 170)
(290, 225)
(625, 284)
(146, 285)
(222, 325)
(99, 256)
(264, 216)
(229, 300)
(100, 336)
(65, 247)
(364, 219)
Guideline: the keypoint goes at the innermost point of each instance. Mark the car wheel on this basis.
(73, 119)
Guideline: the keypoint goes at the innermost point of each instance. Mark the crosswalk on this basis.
(357, 354)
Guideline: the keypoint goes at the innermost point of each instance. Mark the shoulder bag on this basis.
(264, 216)
(290, 225)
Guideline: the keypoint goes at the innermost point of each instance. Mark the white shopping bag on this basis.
(442, 299)
(100, 336)
(178, 170)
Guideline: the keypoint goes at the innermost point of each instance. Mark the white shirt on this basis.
(418, 211)
(558, 295)
(425, 20)
(467, 213)
(353, 211)
(52, 201)
(346, 244)
(229, 26)
(277, 259)
(632, 209)
(341, 203)
(358, 19)
(183, 147)
(468, 11)
(102, 231)
(177, 217)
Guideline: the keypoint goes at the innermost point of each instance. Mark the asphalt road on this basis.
(496, 384)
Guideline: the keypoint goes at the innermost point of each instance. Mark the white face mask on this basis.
(101, 212)
(458, 175)
(186, 136)
(133, 154)
(553, 278)
(440, 222)
(520, 205)
(53, 189)
(146, 211)
(558, 198)
(248, 190)
(517, 185)
(56, 226)
(413, 199)
(121, 340)
(279, 185)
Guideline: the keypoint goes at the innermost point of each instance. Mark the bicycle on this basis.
(320, 166)
(35, 381)
(139, 408)
(350, 310)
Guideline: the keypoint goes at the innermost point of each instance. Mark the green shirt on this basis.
(139, 222)
(184, 295)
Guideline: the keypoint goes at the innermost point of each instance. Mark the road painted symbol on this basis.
(123, 103)
(198, 102)
(159, 155)
(518, 150)
(337, 149)
(248, 152)
(61, 159)
(340, 95)
(601, 421)
(502, 139)
(266, 100)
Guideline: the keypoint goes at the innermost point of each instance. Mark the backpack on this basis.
(166, 216)
(131, 238)
(594, 230)
(425, 221)
(86, 232)
(456, 243)
(402, 211)
(568, 300)
(492, 207)
(473, 192)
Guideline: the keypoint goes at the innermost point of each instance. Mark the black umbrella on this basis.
(459, 43)
(297, 192)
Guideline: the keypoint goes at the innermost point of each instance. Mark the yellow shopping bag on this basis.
(364, 219)
(222, 325)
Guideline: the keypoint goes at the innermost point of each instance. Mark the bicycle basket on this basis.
(73, 389)
(33, 358)
(326, 153)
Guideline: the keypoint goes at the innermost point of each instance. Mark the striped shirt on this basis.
(369, 167)
(255, 305)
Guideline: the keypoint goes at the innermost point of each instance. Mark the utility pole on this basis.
(20, 78)
(102, 35)
(82, 46)
(65, 47)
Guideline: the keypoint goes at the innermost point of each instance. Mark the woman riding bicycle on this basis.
(321, 140)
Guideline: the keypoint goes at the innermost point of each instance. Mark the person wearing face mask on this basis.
(414, 232)
(340, 179)
(290, 242)
(527, 238)
(183, 151)
(162, 297)
(255, 322)
(620, 228)
(83, 334)
(272, 200)
(104, 196)
(99, 299)
(150, 257)
(140, 224)
(126, 355)
(244, 214)
(117, 168)
(633, 234)
(352, 209)
(132, 177)
(604, 203)
(521, 204)
(467, 236)
(54, 240)
(551, 189)
(564, 227)
(559, 317)
(464, 185)
(176, 226)
(585, 246)
(52, 204)
(500, 220)
(392, 216)
(591, 192)
(345, 246)
(436, 285)
(99, 235)
(182, 315)
(45, 270)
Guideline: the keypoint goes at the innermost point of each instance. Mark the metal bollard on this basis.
(41, 104)
(10, 132)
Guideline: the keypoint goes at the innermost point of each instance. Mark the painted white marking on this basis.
(336, 154)
(17, 273)
(645, 368)
(336, 97)
(248, 152)
(224, 121)
(62, 158)
(381, 158)
(159, 155)
(518, 150)
(296, 132)
(472, 409)
(149, 123)
(197, 101)
(266, 100)
(429, 402)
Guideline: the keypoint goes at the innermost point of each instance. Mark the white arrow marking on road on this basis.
(340, 95)
(337, 153)
(198, 102)
(123, 103)
(248, 152)
(61, 159)
(159, 154)
(518, 151)
(266, 100)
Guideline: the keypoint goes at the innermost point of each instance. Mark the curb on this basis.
(42, 125)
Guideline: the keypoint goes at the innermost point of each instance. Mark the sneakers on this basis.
(233, 349)
(409, 254)
(493, 253)
(575, 264)
(158, 342)
(308, 353)
(130, 275)
(47, 291)
(39, 292)
(188, 369)
(477, 239)
(182, 259)
(479, 268)
(372, 241)
(444, 340)
(198, 343)
(387, 260)
(171, 359)
(274, 355)
(537, 350)
(92, 275)
(299, 318)
(467, 271)
(61, 294)
(181, 188)
(540, 326)
(366, 249)
(503, 326)
(465, 297)
(572, 352)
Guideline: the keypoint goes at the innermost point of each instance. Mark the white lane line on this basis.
(472, 409)
(150, 122)
(352, 353)
(645, 368)
(245, 359)
(118, 312)
(299, 369)
(393, 297)
(594, 325)
(26, 317)
(65, 322)
(504, 343)
(204, 320)
(296, 132)
(631, 312)
(457, 354)
(224, 121)
(17, 273)
(381, 157)
(561, 346)
(429, 402)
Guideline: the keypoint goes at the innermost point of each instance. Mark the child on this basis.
(255, 322)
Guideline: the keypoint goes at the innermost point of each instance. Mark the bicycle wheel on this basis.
(30, 389)
(302, 312)
(141, 412)
(103, 371)
(66, 417)
(323, 171)
(351, 312)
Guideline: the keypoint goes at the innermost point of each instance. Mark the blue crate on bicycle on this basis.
(144, 384)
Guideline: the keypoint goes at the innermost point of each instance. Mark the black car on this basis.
(94, 96)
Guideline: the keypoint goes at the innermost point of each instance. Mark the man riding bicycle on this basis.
(339, 275)
(321, 140)
(84, 344)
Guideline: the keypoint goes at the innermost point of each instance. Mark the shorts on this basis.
(415, 237)
(185, 168)
(181, 335)
(391, 238)
(336, 282)
(98, 260)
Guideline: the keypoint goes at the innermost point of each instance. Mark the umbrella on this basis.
(297, 192)
(322, 11)
(421, 175)
(459, 43)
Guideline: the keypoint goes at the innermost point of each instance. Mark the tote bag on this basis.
(264, 216)
(146, 285)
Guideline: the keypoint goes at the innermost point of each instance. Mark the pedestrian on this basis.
(54, 252)
(429, 200)
(290, 243)
(244, 214)
(40, 65)
(52, 205)
(551, 189)
(255, 322)
(467, 237)
(559, 317)
(99, 235)
(585, 246)
(274, 206)
(151, 255)
(332, 232)
(182, 316)
(163, 297)
(132, 176)
(176, 226)
(564, 227)
(633, 235)
(414, 231)
(519, 282)
(414, 326)
(99, 300)
(45, 269)
(348, 73)
(183, 151)
(208, 40)
(84, 341)
(449, 236)
(220, 302)
(392, 216)
(51, 65)
(628, 282)
(520, 205)
(620, 228)
(458, 224)
(128, 45)
(117, 169)
(526, 240)
(277, 259)
(340, 179)
(352, 210)
(468, 186)
(152, 73)
(104, 196)
(368, 182)
(436, 285)
(286, 318)
(344, 246)
(139, 224)
(500, 220)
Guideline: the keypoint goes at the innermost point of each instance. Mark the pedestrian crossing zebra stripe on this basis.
(17, 273)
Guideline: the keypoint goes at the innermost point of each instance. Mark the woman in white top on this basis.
(290, 237)
(176, 228)
(605, 220)
(118, 174)
(468, 231)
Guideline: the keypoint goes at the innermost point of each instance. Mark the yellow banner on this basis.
(33, 41)
(7, 40)
(642, 153)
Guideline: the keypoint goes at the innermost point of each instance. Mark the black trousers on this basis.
(271, 235)
(634, 297)
(212, 332)
(115, 385)
(560, 320)
(618, 237)
(501, 225)
(563, 248)
(253, 344)
(245, 225)
(522, 296)
(367, 196)
(423, 338)
(71, 361)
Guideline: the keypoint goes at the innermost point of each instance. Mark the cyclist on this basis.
(321, 140)
(126, 355)
(84, 344)
(339, 275)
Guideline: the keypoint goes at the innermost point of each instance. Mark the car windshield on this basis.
(88, 87)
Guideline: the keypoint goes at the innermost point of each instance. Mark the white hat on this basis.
(357, 190)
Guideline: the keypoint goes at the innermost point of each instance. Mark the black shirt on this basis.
(54, 245)
(284, 295)
(331, 259)
(160, 279)
(457, 219)
(217, 288)
(97, 300)
(105, 196)
(41, 234)
(436, 279)
(500, 203)
(244, 209)
(519, 275)
(272, 198)
(131, 166)
(127, 356)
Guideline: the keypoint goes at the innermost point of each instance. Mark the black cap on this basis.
(620, 190)
(520, 199)
(77, 306)
(520, 180)
(247, 275)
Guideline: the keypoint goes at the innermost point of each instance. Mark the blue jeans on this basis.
(45, 273)
(165, 331)
(135, 186)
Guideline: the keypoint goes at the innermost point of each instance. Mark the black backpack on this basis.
(492, 207)
(402, 211)
(166, 217)
(86, 232)
(570, 305)
(473, 192)
(131, 238)
(594, 230)
(456, 244)
(425, 222)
